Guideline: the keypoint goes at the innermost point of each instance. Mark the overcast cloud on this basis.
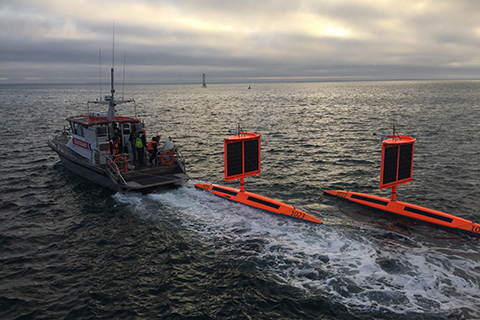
(175, 41)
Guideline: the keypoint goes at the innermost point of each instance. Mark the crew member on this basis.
(152, 148)
(114, 146)
(133, 140)
(140, 144)
(116, 131)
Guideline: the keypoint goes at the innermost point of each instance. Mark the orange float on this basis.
(396, 169)
(123, 160)
(165, 156)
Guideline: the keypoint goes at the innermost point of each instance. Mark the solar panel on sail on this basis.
(397, 162)
(242, 156)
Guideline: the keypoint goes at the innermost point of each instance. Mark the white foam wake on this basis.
(354, 267)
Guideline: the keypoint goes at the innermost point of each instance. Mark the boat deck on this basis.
(150, 176)
(139, 178)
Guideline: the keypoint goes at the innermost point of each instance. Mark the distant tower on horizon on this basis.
(204, 84)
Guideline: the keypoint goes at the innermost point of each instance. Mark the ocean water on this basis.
(70, 249)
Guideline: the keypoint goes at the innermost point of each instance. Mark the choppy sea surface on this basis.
(71, 249)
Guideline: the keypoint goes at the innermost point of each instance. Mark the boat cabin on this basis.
(91, 134)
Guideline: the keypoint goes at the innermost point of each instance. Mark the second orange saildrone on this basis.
(396, 169)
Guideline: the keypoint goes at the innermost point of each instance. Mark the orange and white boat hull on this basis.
(257, 201)
(409, 210)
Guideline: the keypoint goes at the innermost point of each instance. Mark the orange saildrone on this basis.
(242, 159)
(396, 169)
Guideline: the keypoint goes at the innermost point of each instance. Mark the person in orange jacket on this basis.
(114, 146)
(152, 148)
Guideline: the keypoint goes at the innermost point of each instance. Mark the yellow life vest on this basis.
(139, 142)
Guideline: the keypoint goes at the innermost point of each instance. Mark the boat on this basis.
(242, 159)
(83, 148)
(396, 169)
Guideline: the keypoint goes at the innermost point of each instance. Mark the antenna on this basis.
(124, 59)
(100, 71)
(113, 46)
(111, 107)
(112, 90)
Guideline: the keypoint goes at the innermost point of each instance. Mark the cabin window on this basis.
(101, 131)
(126, 128)
(77, 128)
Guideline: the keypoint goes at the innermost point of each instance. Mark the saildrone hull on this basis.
(410, 211)
(257, 201)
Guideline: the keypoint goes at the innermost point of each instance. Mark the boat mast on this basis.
(110, 99)
(111, 105)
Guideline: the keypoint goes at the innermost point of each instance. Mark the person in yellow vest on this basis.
(152, 148)
(133, 140)
(140, 144)
(114, 146)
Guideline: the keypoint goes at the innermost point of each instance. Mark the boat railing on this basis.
(116, 165)
(167, 157)
(179, 156)
(64, 135)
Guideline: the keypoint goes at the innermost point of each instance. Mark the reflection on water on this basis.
(185, 253)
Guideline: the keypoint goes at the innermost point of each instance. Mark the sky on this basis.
(247, 41)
